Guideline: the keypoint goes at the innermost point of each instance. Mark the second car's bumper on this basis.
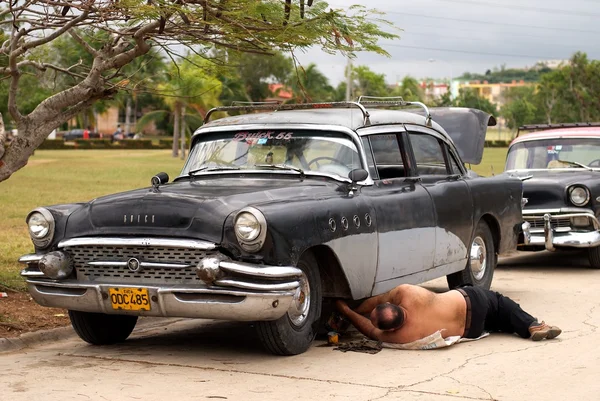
(551, 239)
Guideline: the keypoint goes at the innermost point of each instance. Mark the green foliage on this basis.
(468, 97)
(50, 144)
(409, 89)
(570, 93)
(507, 75)
(520, 107)
(310, 85)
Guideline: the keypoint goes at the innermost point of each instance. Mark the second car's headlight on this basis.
(41, 227)
(250, 229)
(579, 196)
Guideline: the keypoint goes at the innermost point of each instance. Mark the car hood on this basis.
(467, 128)
(548, 189)
(195, 209)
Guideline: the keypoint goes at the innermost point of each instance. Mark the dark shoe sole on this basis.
(549, 334)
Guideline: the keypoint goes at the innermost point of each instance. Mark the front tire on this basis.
(594, 257)
(481, 263)
(294, 332)
(102, 329)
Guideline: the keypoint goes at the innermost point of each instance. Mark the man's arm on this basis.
(361, 323)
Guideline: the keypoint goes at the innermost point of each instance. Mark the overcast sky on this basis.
(443, 38)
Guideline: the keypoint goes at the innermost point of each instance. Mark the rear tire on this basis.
(478, 273)
(294, 332)
(594, 257)
(102, 329)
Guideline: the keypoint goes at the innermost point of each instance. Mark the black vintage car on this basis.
(560, 164)
(275, 213)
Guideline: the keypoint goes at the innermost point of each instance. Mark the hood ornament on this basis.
(158, 180)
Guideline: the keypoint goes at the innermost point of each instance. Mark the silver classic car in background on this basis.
(560, 164)
(275, 214)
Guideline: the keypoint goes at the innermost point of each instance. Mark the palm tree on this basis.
(189, 92)
(310, 85)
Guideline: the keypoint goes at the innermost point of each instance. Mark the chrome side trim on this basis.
(276, 272)
(245, 285)
(152, 265)
(31, 273)
(119, 241)
(30, 258)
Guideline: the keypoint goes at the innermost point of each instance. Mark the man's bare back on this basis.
(425, 313)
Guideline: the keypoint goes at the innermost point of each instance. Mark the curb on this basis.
(27, 340)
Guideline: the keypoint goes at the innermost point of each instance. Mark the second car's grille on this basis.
(538, 222)
(83, 255)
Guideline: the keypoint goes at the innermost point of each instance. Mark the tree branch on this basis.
(2, 137)
(83, 43)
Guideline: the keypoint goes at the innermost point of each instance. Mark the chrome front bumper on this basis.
(551, 239)
(225, 289)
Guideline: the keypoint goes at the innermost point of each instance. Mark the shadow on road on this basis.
(547, 261)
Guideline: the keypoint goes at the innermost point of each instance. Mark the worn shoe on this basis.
(543, 331)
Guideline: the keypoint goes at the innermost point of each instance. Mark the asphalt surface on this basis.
(183, 359)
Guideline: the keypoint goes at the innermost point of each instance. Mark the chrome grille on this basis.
(82, 255)
(556, 222)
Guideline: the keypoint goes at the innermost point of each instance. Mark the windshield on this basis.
(302, 151)
(554, 153)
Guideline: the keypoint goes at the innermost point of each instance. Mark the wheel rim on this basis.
(478, 258)
(300, 306)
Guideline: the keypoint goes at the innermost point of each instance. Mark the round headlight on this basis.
(247, 227)
(579, 196)
(250, 228)
(41, 227)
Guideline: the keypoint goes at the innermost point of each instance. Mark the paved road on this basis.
(204, 360)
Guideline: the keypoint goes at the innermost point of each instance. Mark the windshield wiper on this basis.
(576, 164)
(208, 169)
(281, 167)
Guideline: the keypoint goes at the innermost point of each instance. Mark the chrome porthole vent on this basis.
(344, 223)
(332, 225)
(368, 220)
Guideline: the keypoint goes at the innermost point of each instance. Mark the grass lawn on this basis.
(65, 176)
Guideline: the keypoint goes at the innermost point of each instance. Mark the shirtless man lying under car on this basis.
(409, 312)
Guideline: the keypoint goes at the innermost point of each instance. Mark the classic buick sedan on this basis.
(561, 167)
(276, 213)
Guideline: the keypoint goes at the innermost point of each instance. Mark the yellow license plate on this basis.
(129, 298)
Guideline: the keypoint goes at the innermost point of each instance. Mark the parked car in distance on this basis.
(560, 164)
(274, 215)
(78, 134)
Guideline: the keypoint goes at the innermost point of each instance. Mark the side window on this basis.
(428, 154)
(454, 167)
(388, 158)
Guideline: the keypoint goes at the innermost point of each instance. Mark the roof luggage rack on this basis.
(361, 105)
(542, 127)
(394, 101)
(253, 106)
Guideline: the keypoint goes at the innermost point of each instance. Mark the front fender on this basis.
(345, 225)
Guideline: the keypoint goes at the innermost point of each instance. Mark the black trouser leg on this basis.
(506, 315)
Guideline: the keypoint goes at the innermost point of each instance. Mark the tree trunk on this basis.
(182, 134)
(127, 117)
(177, 113)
